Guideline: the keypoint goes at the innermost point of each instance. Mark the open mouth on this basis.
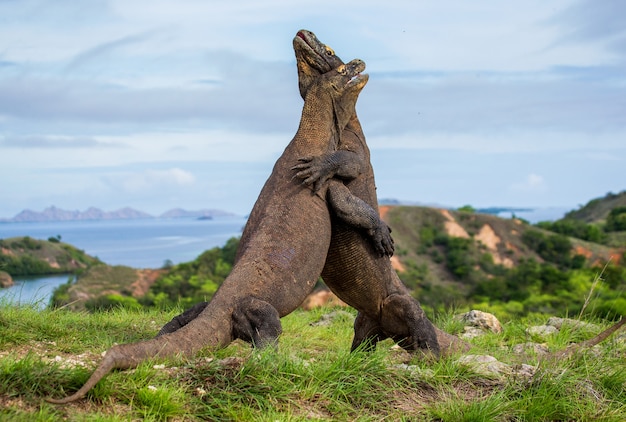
(303, 37)
(355, 79)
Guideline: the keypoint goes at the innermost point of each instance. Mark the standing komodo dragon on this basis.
(354, 271)
(361, 278)
(288, 237)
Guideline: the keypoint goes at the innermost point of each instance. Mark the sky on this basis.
(163, 104)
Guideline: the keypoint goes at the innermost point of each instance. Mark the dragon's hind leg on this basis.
(256, 322)
(367, 332)
(404, 320)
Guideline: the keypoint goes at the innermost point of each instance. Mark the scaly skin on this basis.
(287, 240)
(353, 271)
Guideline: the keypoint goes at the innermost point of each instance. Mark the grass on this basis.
(312, 376)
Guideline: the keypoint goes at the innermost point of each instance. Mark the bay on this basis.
(33, 290)
(145, 243)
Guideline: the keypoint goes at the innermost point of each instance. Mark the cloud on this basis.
(605, 156)
(161, 82)
(251, 95)
(100, 52)
(54, 142)
(493, 103)
(591, 20)
(6, 63)
(532, 140)
(533, 183)
(153, 180)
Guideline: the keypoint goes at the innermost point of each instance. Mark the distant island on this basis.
(57, 214)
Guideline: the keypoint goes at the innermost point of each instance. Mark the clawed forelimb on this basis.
(316, 171)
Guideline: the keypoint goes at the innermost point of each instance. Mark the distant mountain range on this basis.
(57, 214)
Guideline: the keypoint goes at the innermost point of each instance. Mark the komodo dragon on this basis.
(358, 276)
(289, 234)
(361, 278)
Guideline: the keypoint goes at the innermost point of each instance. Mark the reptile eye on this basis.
(329, 51)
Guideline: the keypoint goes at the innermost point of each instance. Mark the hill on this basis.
(458, 258)
(598, 209)
(25, 256)
(104, 286)
(602, 220)
(92, 213)
(57, 214)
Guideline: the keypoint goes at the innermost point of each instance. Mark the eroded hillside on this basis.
(453, 258)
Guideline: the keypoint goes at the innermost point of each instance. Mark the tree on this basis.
(467, 208)
(616, 220)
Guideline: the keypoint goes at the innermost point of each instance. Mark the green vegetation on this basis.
(192, 282)
(616, 221)
(106, 287)
(25, 256)
(576, 228)
(526, 269)
(311, 376)
(601, 220)
(598, 209)
(467, 208)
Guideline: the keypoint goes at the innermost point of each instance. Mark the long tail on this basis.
(110, 362)
(570, 350)
(210, 329)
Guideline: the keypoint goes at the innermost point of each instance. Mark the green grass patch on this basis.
(311, 376)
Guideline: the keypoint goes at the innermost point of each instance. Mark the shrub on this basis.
(553, 248)
(61, 296)
(194, 281)
(458, 260)
(616, 220)
(575, 228)
(112, 301)
(25, 265)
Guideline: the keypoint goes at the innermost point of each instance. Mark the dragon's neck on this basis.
(318, 124)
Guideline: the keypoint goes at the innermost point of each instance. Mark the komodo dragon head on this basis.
(341, 87)
(313, 58)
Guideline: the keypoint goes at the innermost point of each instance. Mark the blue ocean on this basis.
(146, 243)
